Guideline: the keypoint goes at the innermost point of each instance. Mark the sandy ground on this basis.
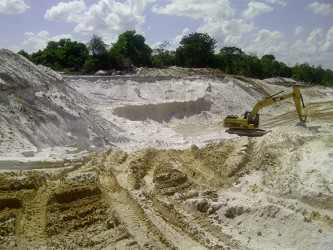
(165, 174)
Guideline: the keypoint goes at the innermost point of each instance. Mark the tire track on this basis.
(173, 233)
(313, 111)
(189, 230)
(320, 110)
(318, 216)
(167, 223)
(138, 224)
(32, 222)
(284, 119)
(199, 229)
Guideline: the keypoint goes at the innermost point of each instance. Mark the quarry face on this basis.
(142, 162)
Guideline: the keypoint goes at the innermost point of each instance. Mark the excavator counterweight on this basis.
(249, 122)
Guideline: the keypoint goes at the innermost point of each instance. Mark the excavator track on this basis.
(247, 132)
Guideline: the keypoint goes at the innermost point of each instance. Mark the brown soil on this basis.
(149, 199)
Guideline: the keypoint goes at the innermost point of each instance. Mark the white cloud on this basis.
(34, 42)
(66, 12)
(312, 49)
(299, 30)
(206, 10)
(328, 44)
(228, 32)
(176, 41)
(255, 9)
(13, 6)
(216, 23)
(324, 9)
(280, 2)
(107, 18)
(316, 48)
(156, 45)
(268, 42)
(313, 42)
(265, 36)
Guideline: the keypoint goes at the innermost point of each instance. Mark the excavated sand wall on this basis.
(163, 112)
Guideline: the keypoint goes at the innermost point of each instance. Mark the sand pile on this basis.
(40, 111)
(169, 176)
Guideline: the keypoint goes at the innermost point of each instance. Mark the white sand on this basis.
(280, 193)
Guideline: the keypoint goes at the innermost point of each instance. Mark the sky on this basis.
(294, 31)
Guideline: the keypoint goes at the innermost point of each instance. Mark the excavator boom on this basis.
(248, 124)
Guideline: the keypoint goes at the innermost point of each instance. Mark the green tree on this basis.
(327, 78)
(284, 70)
(310, 74)
(138, 51)
(162, 57)
(303, 72)
(98, 55)
(130, 49)
(71, 55)
(90, 65)
(96, 46)
(36, 57)
(232, 58)
(269, 66)
(196, 50)
(62, 54)
(249, 66)
(74, 54)
(48, 57)
(231, 51)
(24, 53)
(255, 67)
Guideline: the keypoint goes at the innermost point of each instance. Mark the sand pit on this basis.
(165, 175)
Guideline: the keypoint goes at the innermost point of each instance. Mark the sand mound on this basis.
(39, 111)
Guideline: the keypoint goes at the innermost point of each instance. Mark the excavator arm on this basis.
(296, 94)
(250, 120)
(299, 103)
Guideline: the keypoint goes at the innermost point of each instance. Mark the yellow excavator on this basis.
(248, 124)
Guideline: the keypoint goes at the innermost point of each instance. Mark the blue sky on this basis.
(294, 31)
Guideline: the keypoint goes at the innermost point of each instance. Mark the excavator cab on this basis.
(254, 121)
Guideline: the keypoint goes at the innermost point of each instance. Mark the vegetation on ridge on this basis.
(196, 50)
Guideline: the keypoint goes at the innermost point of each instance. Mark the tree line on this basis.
(196, 50)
